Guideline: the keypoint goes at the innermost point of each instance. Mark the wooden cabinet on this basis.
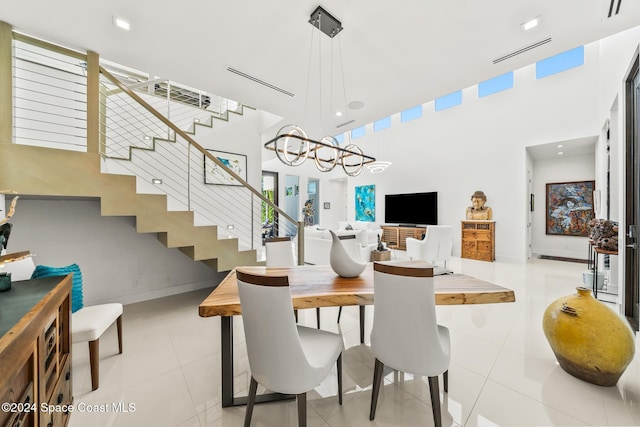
(396, 237)
(35, 351)
(478, 240)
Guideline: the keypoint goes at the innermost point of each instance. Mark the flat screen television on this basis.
(411, 208)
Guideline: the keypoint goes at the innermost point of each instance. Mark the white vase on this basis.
(341, 262)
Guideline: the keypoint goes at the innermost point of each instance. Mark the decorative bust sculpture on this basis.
(478, 210)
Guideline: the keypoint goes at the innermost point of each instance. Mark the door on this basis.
(269, 215)
(632, 196)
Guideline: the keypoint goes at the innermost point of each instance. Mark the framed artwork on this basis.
(214, 174)
(569, 208)
(366, 203)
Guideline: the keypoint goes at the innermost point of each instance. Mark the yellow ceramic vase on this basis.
(589, 339)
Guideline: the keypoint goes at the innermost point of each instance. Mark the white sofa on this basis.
(373, 230)
(317, 245)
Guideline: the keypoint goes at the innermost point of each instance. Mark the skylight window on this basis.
(496, 84)
(411, 114)
(381, 124)
(340, 138)
(449, 101)
(560, 62)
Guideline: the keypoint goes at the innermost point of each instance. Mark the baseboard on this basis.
(155, 293)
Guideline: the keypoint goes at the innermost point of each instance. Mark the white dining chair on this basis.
(434, 247)
(405, 335)
(283, 357)
(279, 252)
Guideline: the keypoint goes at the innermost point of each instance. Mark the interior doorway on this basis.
(632, 196)
(292, 200)
(269, 215)
(313, 196)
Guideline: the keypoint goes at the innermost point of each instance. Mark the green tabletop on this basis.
(24, 294)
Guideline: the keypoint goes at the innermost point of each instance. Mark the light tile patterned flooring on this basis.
(502, 370)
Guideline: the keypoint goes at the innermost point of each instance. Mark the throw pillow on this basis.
(76, 286)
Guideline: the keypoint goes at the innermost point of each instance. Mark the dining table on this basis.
(314, 286)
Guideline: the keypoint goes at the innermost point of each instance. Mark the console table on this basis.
(478, 239)
(35, 351)
(396, 236)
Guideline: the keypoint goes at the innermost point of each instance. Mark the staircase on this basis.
(51, 172)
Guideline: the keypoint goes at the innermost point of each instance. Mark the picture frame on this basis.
(569, 208)
(215, 175)
(365, 203)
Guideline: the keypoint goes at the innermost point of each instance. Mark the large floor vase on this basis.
(589, 339)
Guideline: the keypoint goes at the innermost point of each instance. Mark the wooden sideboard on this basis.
(396, 236)
(478, 240)
(35, 352)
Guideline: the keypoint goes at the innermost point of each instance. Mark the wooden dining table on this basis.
(314, 286)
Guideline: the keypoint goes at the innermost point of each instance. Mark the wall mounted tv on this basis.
(411, 208)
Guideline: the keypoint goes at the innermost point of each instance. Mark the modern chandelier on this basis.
(291, 143)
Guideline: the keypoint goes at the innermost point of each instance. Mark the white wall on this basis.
(117, 263)
(481, 144)
(560, 169)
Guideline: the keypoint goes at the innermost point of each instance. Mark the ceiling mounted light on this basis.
(531, 23)
(291, 144)
(121, 23)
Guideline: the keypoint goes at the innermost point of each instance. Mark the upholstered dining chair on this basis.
(434, 247)
(405, 335)
(279, 253)
(87, 323)
(283, 357)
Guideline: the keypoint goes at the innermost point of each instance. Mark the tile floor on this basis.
(502, 370)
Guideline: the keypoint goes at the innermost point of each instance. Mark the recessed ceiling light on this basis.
(531, 23)
(156, 181)
(338, 114)
(560, 153)
(560, 145)
(121, 23)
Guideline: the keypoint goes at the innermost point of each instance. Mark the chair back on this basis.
(279, 252)
(438, 243)
(405, 331)
(275, 353)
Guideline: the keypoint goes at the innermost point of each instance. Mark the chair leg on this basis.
(445, 377)
(434, 389)
(94, 363)
(302, 409)
(119, 327)
(377, 380)
(339, 367)
(253, 388)
(361, 324)
(318, 316)
(339, 314)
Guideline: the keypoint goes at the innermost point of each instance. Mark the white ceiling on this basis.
(395, 54)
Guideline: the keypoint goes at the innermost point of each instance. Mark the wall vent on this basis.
(260, 81)
(345, 123)
(522, 50)
(614, 8)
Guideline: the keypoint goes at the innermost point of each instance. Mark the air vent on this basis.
(614, 8)
(262, 82)
(523, 50)
(345, 123)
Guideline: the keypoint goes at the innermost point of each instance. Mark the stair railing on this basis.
(52, 100)
(166, 159)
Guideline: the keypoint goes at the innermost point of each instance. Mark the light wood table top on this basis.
(318, 286)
